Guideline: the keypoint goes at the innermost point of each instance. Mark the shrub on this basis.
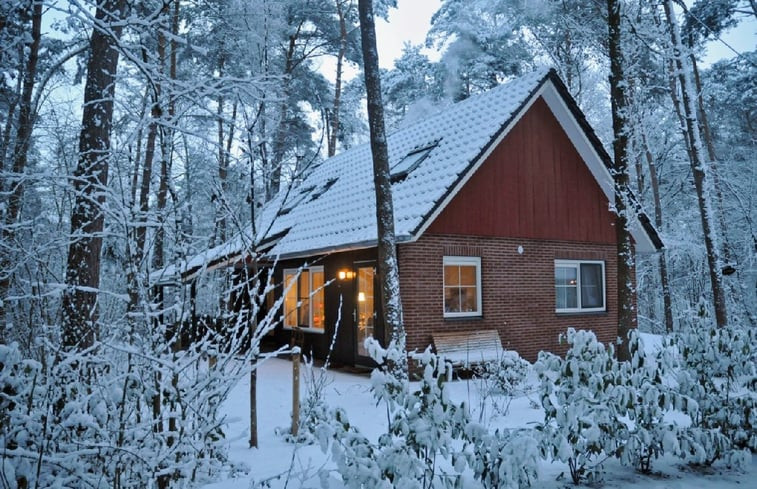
(597, 407)
(581, 422)
(424, 428)
(504, 375)
(506, 459)
(718, 372)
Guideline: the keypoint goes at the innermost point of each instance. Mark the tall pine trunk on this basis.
(621, 127)
(388, 268)
(90, 179)
(700, 167)
(334, 120)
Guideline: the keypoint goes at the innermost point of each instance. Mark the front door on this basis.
(365, 308)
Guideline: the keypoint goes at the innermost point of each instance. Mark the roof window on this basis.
(410, 162)
(296, 200)
(329, 183)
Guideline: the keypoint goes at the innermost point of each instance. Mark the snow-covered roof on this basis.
(332, 208)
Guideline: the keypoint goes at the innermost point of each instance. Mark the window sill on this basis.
(580, 313)
(464, 317)
(304, 330)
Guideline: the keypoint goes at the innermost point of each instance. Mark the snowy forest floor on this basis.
(281, 464)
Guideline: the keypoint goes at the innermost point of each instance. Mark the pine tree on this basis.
(91, 178)
(388, 268)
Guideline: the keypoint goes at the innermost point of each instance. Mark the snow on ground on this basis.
(288, 465)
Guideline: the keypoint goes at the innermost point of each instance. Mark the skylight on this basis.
(329, 183)
(410, 162)
(295, 201)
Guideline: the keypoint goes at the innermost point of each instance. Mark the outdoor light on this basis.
(361, 296)
(346, 274)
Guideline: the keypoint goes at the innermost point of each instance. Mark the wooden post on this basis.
(295, 390)
(253, 407)
(252, 292)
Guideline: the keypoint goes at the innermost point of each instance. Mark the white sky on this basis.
(411, 21)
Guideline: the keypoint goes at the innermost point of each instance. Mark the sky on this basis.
(408, 23)
(411, 20)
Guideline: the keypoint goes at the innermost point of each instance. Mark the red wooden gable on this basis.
(533, 185)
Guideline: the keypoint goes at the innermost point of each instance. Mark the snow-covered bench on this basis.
(468, 348)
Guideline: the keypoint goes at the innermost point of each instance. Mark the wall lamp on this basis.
(345, 274)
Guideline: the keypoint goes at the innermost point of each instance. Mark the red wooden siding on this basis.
(533, 185)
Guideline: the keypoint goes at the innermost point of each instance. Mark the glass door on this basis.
(365, 312)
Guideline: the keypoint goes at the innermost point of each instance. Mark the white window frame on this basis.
(576, 264)
(464, 261)
(297, 272)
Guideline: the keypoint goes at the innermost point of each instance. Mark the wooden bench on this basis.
(467, 348)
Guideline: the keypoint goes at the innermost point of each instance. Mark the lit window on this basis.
(579, 286)
(303, 299)
(462, 286)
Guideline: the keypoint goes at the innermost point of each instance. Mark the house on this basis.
(503, 221)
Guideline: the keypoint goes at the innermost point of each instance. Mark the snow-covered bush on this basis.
(597, 407)
(497, 381)
(354, 454)
(503, 375)
(504, 459)
(647, 397)
(422, 424)
(582, 423)
(718, 372)
(17, 424)
(429, 440)
(111, 417)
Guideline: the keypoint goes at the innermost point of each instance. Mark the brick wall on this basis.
(518, 294)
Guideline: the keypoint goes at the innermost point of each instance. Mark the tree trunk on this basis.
(24, 129)
(699, 167)
(662, 260)
(334, 121)
(621, 128)
(388, 268)
(158, 256)
(279, 139)
(90, 180)
(707, 135)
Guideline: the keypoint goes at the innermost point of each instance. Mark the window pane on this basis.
(468, 301)
(365, 310)
(451, 275)
(290, 300)
(451, 299)
(303, 316)
(566, 297)
(565, 276)
(468, 275)
(591, 285)
(319, 310)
